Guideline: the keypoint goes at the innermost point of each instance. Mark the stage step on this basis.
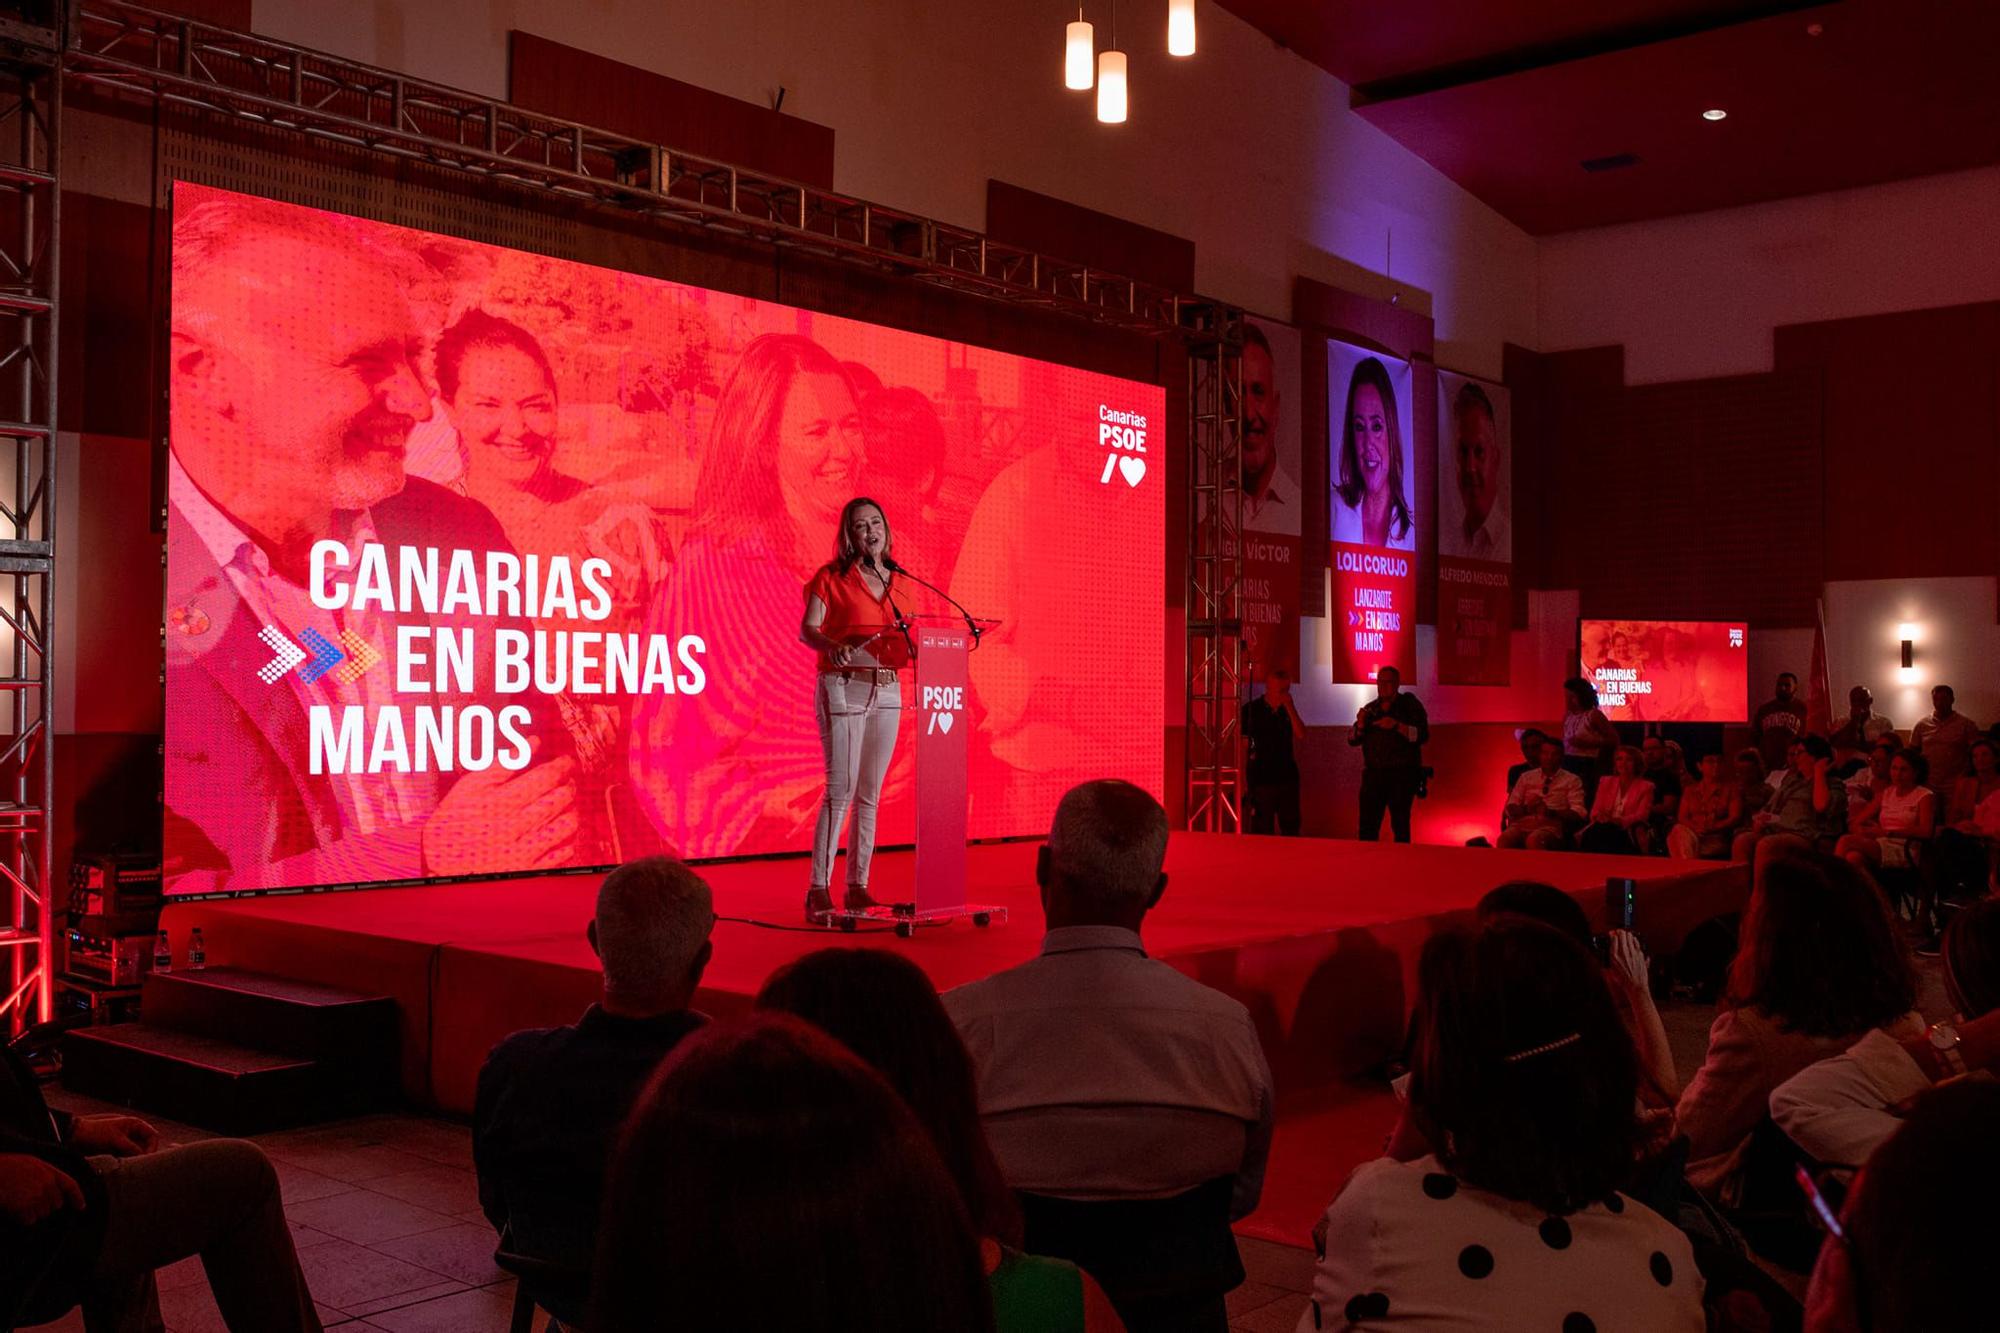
(203, 1081)
(241, 1052)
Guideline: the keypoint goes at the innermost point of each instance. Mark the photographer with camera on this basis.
(1391, 731)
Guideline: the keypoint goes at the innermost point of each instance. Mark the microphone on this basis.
(972, 626)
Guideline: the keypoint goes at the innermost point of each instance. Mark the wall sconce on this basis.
(1907, 633)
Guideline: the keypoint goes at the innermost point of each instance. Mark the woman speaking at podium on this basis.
(851, 620)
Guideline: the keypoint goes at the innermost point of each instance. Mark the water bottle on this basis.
(163, 954)
(197, 951)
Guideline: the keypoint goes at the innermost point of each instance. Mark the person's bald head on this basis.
(651, 935)
(1102, 864)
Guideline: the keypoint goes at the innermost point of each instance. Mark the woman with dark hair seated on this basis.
(1819, 963)
(769, 1179)
(1897, 821)
(1524, 1079)
(1839, 1111)
(1913, 1253)
(1625, 965)
(884, 1009)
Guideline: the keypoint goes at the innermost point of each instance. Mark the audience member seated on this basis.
(1862, 728)
(1531, 758)
(1710, 813)
(550, 1100)
(1102, 1073)
(1915, 1254)
(1525, 1080)
(1873, 777)
(1807, 811)
(1665, 769)
(1963, 853)
(768, 1179)
(1588, 738)
(882, 1007)
(1840, 1111)
(1621, 816)
(1945, 739)
(91, 1206)
(1625, 968)
(1546, 807)
(1758, 781)
(1819, 965)
(1893, 829)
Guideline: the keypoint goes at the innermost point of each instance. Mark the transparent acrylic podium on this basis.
(942, 723)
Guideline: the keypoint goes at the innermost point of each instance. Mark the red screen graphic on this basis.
(1667, 670)
(481, 561)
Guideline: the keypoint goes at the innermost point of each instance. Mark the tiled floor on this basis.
(386, 1218)
(389, 1232)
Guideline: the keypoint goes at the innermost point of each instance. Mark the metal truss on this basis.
(156, 57)
(1215, 572)
(138, 54)
(30, 105)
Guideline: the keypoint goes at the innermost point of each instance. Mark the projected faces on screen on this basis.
(1666, 671)
(574, 511)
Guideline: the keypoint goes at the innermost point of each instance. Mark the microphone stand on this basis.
(889, 570)
(972, 627)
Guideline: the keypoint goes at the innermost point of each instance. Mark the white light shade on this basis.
(1079, 50)
(1111, 87)
(1180, 27)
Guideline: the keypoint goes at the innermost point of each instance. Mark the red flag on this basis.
(1819, 683)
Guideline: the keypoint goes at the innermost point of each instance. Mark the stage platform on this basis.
(1318, 937)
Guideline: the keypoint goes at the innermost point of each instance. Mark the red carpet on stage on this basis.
(1318, 937)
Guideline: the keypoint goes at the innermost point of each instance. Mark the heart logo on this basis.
(944, 721)
(1133, 467)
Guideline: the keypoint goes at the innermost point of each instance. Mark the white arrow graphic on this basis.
(288, 655)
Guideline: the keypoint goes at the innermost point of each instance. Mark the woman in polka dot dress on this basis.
(1527, 1081)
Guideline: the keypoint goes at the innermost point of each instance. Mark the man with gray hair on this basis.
(1104, 1074)
(550, 1100)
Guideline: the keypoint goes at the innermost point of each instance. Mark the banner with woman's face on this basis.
(483, 561)
(1373, 512)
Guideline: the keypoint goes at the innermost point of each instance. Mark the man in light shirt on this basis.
(1103, 1073)
(1945, 740)
(1547, 805)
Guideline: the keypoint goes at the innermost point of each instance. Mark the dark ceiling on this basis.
(1510, 98)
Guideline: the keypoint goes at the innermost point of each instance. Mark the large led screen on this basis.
(1667, 670)
(481, 561)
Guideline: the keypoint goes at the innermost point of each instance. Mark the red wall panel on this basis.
(1911, 462)
(1871, 451)
(1056, 227)
(609, 94)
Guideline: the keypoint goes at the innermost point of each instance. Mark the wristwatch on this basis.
(1944, 1040)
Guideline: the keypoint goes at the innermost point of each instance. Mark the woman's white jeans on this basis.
(857, 734)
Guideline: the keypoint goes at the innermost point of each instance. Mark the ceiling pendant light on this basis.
(1111, 98)
(1180, 27)
(1079, 54)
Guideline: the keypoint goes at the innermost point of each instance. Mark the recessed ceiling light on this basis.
(1715, 113)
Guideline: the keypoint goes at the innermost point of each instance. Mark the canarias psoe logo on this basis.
(1123, 434)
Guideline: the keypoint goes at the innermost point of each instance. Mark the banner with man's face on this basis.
(1475, 606)
(481, 561)
(1272, 503)
(1373, 508)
